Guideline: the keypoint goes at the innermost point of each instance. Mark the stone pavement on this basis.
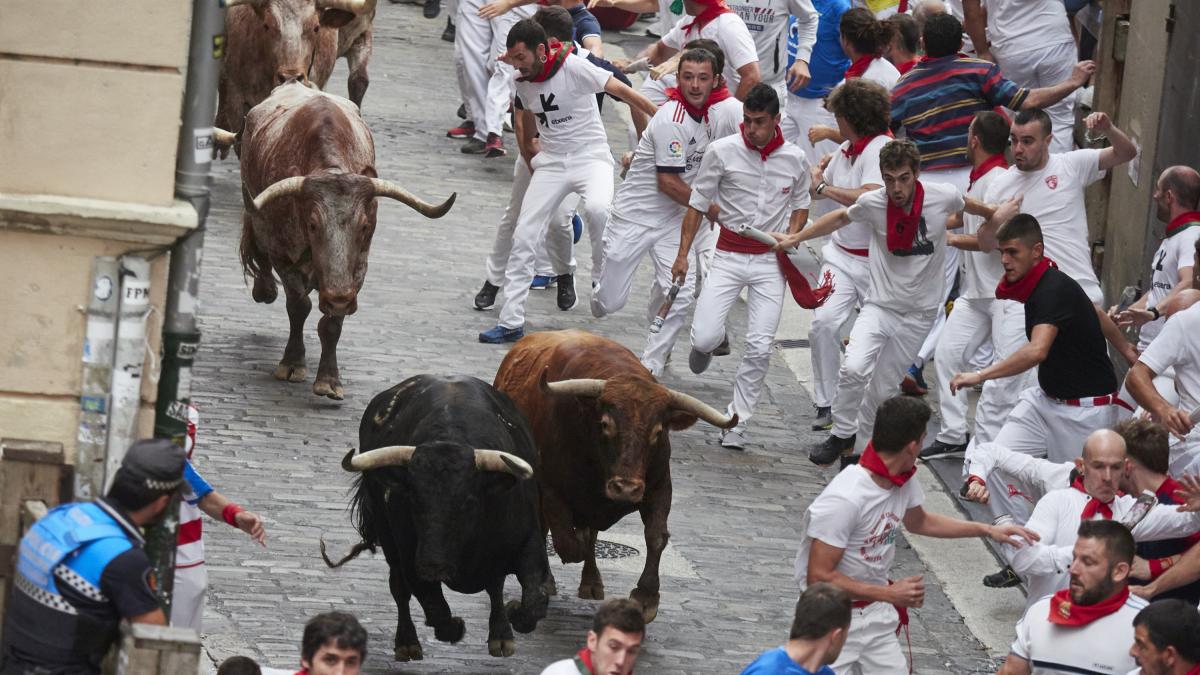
(275, 447)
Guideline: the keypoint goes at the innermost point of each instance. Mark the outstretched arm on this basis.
(919, 521)
(1120, 148)
(629, 95)
(1028, 356)
(1048, 96)
(824, 225)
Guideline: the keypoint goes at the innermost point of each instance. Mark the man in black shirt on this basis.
(1077, 389)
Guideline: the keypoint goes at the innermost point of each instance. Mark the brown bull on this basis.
(601, 423)
(310, 159)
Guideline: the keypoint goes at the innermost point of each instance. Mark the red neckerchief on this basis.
(583, 661)
(1093, 505)
(859, 66)
(990, 163)
(719, 94)
(902, 227)
(1182, 222)
(856, 147)
(871, 461)
(1195, 670)
(1167, 490)
(674, 94)
(802, 291)
(771, 146)
(302, 671)
(1020, 289)
(714, 9)
(907, 66)
(555, 58)
(1066, 613)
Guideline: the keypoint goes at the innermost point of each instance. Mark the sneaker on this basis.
(432, 9)
(576, 228)
(449, 34)
(1005, 578)
(494, 147)
(500, 335)
(914, 382)
(735, 438)
(723, 348)
(462, 111)
(464, 130)
(943, 449)
(566, 291)
(698, 361)
(847, 460)
(541, 282)
(473, 146)
(824, 419)
(829, 450)
(486, 297)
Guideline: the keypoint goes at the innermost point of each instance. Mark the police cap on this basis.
(157, 463)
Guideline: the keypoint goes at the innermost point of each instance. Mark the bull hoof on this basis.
(265, 290)
(502, 647)
(451, 631)
(521, 621)
(328, 387)
(550, 586)
(648, 601)
(409, 652)
(591, 590)
(290, 373)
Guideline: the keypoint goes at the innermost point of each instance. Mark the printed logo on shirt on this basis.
(675, 148)
(755, 18)
(885, 531)
(787, 189)
(1158, 262)
(1052, 182)
(921, 244)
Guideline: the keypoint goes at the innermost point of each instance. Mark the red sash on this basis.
(902, 227)
(1182, 222)
(805, 295)
(871, 461)
(1066, 613)
(1020, 289)
(859, 66)
(555, 58)
(714, 9)
(988, 164)
(856, 147)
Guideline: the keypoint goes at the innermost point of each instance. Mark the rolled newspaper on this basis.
(657, 324)
(803, 257)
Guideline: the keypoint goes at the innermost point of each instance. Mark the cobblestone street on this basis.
(727, 591)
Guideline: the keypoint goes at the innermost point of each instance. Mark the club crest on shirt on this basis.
(1052, 182)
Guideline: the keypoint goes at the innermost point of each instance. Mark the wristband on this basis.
(821, 188)
(1154, 311)
(229, 513)
(1158, 566)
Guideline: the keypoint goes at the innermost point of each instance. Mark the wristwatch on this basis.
(821, 188)
(1153, 310)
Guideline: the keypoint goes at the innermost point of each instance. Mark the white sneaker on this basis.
(735, 438)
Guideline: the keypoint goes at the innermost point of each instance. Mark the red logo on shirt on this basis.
(787, 189)
(1052, 182)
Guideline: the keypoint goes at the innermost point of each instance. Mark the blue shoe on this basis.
(541, 282)
(576, 227)
(914, 382)
(500, 335)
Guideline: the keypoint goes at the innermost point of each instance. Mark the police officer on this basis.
(81, 570)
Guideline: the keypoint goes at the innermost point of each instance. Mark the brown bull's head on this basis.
(634, 416)
(338, 212)
(294, 33)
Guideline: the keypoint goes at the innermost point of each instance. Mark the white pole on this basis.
(128, 357)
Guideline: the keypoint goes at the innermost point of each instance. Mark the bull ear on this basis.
(679, 420)
(336, 18)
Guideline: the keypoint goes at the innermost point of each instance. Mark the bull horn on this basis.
(392, 455)
(235, 3)
(282, 188)
(693, 405)
(386, 188)
(496, 460)
(222, 138)
(582, 387)
(352, 6)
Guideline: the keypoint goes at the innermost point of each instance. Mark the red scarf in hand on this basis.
(713, 9)
(856, 147)
(902, 227)
(674, 94)
(988, 164)
(871, 461)
(1020, 289)
(1093, 505)
(771, 146)
(556, 56)
(802, 292)
(859, 66)
(1182, 222)
(1066, 613)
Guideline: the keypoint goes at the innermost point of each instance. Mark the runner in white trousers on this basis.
(485, 82)
(758, 180)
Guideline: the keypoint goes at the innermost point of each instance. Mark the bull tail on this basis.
(357, 549)
(368, 510)
(252, 256)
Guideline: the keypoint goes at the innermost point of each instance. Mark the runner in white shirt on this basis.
(1011, 482)
(1166, 638)
(1176, 348)
(486, 84)
(1051, 187)
(759, 181)
(860, 109)
(850, 533)
(1177, 202)
(767, 21)
(713, 19)
(1087, 628)
(651, 201)
(556, 95)
(724, 110)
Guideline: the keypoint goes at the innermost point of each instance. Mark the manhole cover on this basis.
(605, 550)
(801, 343)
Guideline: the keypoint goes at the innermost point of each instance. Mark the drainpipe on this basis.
(181, 335)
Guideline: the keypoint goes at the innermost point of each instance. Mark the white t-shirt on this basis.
(981, 272)
(730, 34)
(761, 194)
(724, 118)
(1174, 254)
(673, 142)
(854, 514)
(844, 173)
(1178, 346)
(568, 118)
(564, 667)
(881, 71)
(767, 22)
(1015, 26)
(912, 280)
(1101, 646)
(1054, 195)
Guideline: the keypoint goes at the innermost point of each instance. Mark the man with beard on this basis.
(818, 632)
(556, 98)
(650, 203)
(81, 569)
(1166, 638)
(1085, 628)
(613, 643)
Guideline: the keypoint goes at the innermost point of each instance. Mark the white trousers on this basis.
(554, 177)
(1045, 66)
(883, 343)
(187, 599)
(1040, 426)
(851, 276)
(959, 178)
(485, 83)
(760, 276)
(625, 244)
(802, 113)
(973, 323)
(872, 646)
(555, 256)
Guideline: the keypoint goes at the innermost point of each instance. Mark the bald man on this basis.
(1094, 494)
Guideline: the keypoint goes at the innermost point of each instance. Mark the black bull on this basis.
(446, 495)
